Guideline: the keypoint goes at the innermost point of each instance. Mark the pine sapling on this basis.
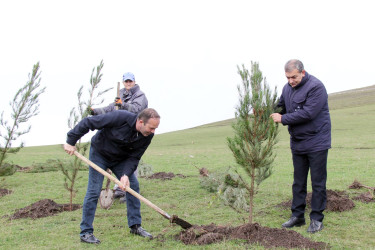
(255, 133)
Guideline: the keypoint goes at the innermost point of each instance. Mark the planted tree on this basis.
(78, 113)
(25, 105)
(255, 133)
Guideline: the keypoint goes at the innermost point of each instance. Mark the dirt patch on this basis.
(4, 192)
(365, 197)
(22, 169)
(42, 208)
(165, 176)
(252, 233)
(337, 201)
(203, 172)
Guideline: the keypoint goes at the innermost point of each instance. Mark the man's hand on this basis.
(125, 182)
(69, 149)
(118, 102)
(276, 117)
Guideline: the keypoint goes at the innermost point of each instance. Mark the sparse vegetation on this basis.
(255, 133)
(24, 106)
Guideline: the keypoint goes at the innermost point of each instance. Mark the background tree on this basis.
(25, 105)
(255, 133)
(70, 170)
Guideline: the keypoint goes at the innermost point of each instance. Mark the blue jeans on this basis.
(317, 163)
(94, 188)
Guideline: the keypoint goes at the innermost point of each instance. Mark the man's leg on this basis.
(133, 204)
(94, 187)
(301, 170)
(318, 166)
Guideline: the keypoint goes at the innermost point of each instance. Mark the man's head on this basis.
(147, 121)
(128, 80)
(294, 72)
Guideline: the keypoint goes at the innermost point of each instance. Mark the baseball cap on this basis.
(128, 76)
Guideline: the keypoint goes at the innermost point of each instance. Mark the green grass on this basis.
(351, 157)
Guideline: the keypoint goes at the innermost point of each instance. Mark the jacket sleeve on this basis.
(315, 101)
(103, 110)
(138, 104)
(281, 105)
(92, 123)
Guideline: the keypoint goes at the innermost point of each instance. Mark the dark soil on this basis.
(4, 192)
(365, 197)
(165, 176)
(252, 233)
(337, 201)
(42, 208)
(203, 172)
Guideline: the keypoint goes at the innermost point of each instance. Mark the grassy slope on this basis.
(351, 157)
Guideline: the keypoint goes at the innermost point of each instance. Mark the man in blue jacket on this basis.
(304, 108)
(119, 144)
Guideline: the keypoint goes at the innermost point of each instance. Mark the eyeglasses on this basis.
(128, 81)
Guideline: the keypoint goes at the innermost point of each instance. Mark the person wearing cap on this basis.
(131, 99)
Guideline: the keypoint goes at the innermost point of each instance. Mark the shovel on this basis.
(106, 195)
(172, 219)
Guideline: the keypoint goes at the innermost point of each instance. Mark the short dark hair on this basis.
(148, 113)
(294, 64)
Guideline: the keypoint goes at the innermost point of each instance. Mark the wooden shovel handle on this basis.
(127, 189)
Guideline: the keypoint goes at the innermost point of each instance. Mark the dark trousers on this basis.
(94, 188)
(317, 163)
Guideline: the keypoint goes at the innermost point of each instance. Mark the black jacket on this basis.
(116, 139)
(305, 111)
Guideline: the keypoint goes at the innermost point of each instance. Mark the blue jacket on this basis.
(305, 111)
(117, 138)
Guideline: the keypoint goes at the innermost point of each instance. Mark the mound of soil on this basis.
(252, 233)
(365, 197)
(165, 176)
(337, 201)
(203, 172)
(42, 208)
(4, 192)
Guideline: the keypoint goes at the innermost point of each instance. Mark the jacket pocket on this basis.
(298, 103)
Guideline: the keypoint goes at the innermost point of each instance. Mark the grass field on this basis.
(352, 157)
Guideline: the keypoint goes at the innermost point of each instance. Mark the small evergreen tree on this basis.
(255, 133)
(25, 105)
(70, 171)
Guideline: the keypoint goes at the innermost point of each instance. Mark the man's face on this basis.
(128, 84)
(294, 77)
(148, 128)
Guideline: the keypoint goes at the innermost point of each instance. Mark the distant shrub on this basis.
(212, 181)
(7, 169)
(51, 165)
(144, 169)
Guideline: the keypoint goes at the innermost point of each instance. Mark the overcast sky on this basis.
(184, 54)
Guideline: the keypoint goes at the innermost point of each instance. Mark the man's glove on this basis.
(118, 102)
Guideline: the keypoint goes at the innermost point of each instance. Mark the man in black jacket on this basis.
(119, 144)
(304, 108)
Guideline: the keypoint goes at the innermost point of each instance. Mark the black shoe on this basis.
(138, 230)
(89, 238)
(315, 226)
(119, 193)
(294, 222)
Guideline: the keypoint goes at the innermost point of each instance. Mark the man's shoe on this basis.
(89, 238)
(315, 226)
(119, 193)
(294, 222)
(138, 230)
